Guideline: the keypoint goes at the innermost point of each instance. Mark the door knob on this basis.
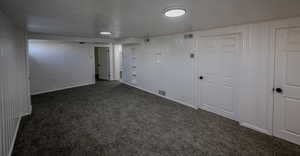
(201, 77)
(278, 90)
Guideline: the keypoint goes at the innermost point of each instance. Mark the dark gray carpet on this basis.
(112, 119)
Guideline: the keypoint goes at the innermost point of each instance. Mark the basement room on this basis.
(150, 78)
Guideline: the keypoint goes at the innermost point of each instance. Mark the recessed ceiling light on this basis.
(174, 12)
(105, 33)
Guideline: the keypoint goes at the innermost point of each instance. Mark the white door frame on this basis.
(237, 76)
(243, 32)
(26, 42)
(288, 23)
(111, 62)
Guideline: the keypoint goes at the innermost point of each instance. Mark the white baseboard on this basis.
(14, 137)
(189, 105)
(255, 128)
(63, 88)
(220, 113)
(169, 98)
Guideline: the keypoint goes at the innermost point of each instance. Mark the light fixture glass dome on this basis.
(175, 12)
(105, 33)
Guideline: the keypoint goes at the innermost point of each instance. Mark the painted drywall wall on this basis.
(14, 93)
(117, 58)
(56, 65)
(164, 63)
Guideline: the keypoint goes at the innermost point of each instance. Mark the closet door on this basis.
(217, 64)
(287, 85)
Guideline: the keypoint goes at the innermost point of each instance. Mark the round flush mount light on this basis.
(174, 12)
(105, 33)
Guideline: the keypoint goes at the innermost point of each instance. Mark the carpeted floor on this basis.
(112, 119)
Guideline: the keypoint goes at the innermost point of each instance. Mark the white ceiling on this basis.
(136, 18)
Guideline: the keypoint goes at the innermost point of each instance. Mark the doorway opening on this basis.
(102, 63)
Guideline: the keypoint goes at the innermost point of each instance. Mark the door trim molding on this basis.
(243, 32)
(274, 27)
(242, 49)
(111, 60)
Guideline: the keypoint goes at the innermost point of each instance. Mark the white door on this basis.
(287, 83)
(217, 64)
(103, 58)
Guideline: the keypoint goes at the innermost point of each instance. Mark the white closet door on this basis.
(287, 83)
(217, 64)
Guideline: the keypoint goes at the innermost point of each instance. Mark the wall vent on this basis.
(188, 36)
(162, 92)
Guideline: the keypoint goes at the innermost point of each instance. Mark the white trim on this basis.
(169, 98)
(189, 105)
(242, 32)
(25, 114)
(53, 90)
(14, 137)
(228, 115)
(111, 59)
(255, 128)
(29, 110)
(274, 26)
(39, 36)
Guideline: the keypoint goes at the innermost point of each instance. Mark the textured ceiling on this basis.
(136, 18)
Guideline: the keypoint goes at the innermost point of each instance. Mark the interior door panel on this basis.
(217, 62)
(287, 83)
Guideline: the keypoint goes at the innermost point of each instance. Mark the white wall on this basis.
(56, 65)
(164, 64)
(117, 57)
(14, 92)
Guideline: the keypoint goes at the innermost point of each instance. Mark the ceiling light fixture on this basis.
(105, 33)
(174, 12)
